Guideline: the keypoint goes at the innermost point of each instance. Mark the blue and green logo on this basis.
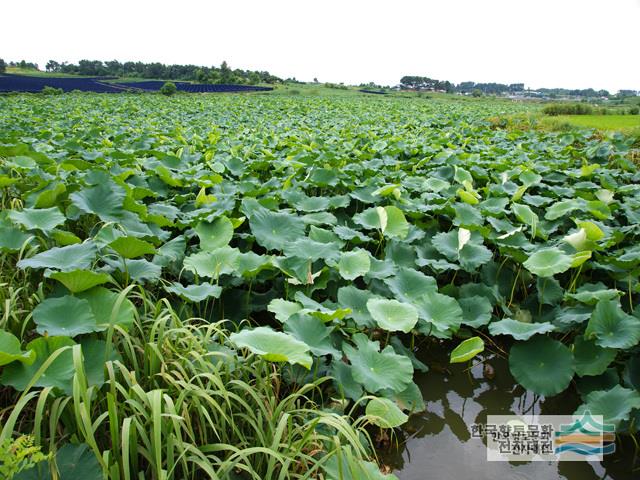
(586, 436)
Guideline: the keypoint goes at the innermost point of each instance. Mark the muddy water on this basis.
(437, 443)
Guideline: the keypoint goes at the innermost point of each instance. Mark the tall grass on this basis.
(180, 403)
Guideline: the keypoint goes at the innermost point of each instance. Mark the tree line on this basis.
(220, 75)
(425, 83)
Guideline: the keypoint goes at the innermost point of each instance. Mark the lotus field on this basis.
(244, 286)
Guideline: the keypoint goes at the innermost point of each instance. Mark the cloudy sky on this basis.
(546, 43)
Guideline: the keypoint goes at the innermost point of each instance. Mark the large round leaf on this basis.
(195, 293)
(385, 413)
(542, 365)
(214, 263)
(64, 316)
(58, 374)
(273, 229)
(614, 405)
(611, 327)
(214, 234)
(109, 308)
(392, 315)
(548, 262)
(590, 359)
(378, 370)
(10, 350)
(80, 280)
(519, 330)
(45, 219)
(273, 346)
(132, 247)
(354, 264)
(66, 259)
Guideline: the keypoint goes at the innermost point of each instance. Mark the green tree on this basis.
(3, 66)
(168, 89)
(226, 74)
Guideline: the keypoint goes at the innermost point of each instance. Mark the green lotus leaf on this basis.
(548, 262)
(355, 300)
(397, 225)
(75, 461)
(273, 229)
(343, 380)
(64, 238)
(611, 327)
(590, 359)
(58, 374)
(139, 270)
(212, 264)
(109, 308)
(310, 249)
(378, 370)
(216, 234)
(283, 309)
(441, 311)
(476, 311)
(313, 332)
(592, 293)
(339, 467)
(463, 246)
(615, 405)
(408, 285)
(104, 200)
(195, 293)
(519, 330)
(410, 399)
(526, 216)
(563, 208)
(392, 315)
(64, 316)
(45, 219)
(273, 346)
(354, 264)
(95, 354)
(66, 259)
(542, 365)
(10, 350)
(466, 350)
(12, 239)
(132, 247)
(549, 290)
(80, 280)
(384, 413)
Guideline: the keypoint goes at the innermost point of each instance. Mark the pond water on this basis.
(437, 443)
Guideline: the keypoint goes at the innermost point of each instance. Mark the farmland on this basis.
(604, 122)
(252, 286)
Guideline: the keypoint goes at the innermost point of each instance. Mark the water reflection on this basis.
(437, 443)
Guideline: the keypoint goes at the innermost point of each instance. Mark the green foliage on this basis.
(47, 90)
(19, 455)
(168, 89)
(176, 285)
(555, 109)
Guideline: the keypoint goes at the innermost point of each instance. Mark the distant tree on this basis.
(52, 66)
(226, 74)
(3, 66)
(168, 89)
(315, 79)
(476, 92)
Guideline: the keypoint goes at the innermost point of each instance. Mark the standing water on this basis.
(437, 443)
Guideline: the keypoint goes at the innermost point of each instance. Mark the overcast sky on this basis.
(546, 43)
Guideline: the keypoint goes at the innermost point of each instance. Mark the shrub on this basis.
(634, 111)
(52, 91)
(168, 89)
(555, 109)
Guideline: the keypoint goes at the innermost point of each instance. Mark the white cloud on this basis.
(569, 43)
